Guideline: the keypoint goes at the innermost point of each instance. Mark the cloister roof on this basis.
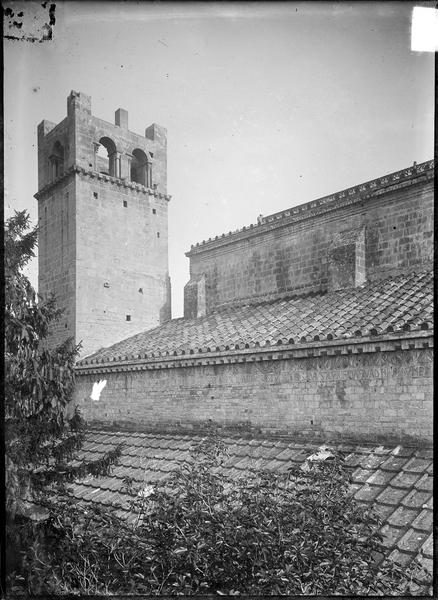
(398, 304)
(397, 479)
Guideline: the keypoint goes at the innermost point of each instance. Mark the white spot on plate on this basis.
(97, 389)
(424, 33)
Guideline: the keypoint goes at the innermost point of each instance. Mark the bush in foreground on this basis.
(201, 532)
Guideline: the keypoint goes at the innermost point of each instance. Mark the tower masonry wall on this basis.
(57, 255)
(122, 263)
(103, 242)
(293, 256)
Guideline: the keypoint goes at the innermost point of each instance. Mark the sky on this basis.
(266, 105)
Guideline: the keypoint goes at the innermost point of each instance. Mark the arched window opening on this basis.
(56, 161)
(106, 157)
(141, 168)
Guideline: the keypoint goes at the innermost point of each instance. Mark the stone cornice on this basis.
(304, 349)
(350, 196)
(75, 169)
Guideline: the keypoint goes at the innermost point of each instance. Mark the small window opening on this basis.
(96, 195)
(125, 203)
(158, 234)
(128, 317)
(154, 212)
(140, 291)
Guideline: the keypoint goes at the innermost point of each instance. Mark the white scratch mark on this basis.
(97, 389)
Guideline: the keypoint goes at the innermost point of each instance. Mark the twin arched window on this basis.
(107, 161)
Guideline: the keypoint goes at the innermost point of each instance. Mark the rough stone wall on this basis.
(57, 254)
(122, 263)
(398, 229)
(377, 396)
(103, 244)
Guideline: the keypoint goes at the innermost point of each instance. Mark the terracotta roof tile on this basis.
(394, 463)
(394, 302)
(424, 453)
(404, 480)
(402, 558)
(402, 516)
(427, 547)
(403, 451)
(416, 465)
(391, 495)
(367, 493)
(402, 498)
(384, 510)
(424, 483)
(380, 477)
(416, 499)
(353, 460)
(362, 475)
(425, 562)
(391, 535)
(411, 540)
(372, 461)
(424, 521)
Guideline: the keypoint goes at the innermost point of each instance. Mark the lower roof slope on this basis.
(398, 480)
(396, 304)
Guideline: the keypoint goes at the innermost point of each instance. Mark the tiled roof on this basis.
(399, 480)
(396, 304)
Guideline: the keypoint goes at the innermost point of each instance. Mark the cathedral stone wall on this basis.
(373, 396)
(292, 254)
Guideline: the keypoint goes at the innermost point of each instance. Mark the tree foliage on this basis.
(40, 438)
(201, 532)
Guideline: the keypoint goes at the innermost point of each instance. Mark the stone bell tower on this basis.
(102, 212)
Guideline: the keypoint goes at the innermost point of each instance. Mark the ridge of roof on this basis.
(357, 193)
(398, 307)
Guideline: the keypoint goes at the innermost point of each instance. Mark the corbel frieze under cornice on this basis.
(412, 341)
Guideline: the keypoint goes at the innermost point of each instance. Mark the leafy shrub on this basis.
(41, 436)
(201, 532)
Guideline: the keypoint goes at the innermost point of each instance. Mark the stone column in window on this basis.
(125, 166)
(96, 150)
(148, 182)
(117, 165)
